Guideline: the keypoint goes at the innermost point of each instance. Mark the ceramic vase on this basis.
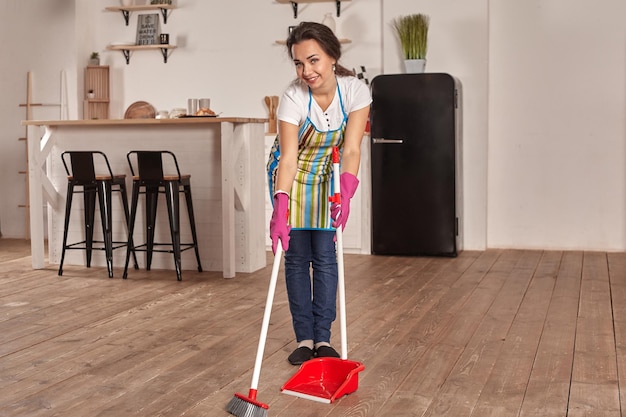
(329, 21)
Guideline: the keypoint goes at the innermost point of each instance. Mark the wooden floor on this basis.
(494, 333)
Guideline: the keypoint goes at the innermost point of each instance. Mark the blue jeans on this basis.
(312, 300)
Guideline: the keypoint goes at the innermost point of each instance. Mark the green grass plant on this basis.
(412, 30)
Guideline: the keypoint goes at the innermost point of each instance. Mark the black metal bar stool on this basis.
(83, 174)
(149, 179)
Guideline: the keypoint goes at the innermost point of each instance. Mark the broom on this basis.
(248, 406)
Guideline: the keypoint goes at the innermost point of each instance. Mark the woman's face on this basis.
(313, 65)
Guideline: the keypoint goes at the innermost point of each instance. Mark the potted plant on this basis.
(94, 59)
(412, 30)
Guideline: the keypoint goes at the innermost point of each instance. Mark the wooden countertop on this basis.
(135, 122)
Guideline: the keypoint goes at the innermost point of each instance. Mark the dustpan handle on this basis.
(341, 286)
(266, 318)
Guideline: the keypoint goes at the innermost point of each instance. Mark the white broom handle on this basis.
(266, 317)
(341, 286)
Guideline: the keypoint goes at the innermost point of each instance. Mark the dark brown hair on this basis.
(324, 37)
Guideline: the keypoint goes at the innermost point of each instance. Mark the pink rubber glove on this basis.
(278, 225)
(340, 212)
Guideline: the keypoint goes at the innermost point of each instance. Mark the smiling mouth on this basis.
(310, 79)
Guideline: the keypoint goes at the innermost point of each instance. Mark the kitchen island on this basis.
(224, 155)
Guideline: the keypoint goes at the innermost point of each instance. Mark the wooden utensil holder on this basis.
(271, 126)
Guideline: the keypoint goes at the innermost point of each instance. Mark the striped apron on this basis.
(309, 208)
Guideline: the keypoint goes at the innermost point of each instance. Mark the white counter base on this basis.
(224, 156)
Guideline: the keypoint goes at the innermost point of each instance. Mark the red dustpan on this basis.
(326, 379)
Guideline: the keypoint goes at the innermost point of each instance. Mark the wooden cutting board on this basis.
(140, 110)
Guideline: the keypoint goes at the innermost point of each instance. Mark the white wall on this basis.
(37, 36)
(543, 109)
(557, 124)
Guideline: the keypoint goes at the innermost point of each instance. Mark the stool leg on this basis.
(192, 222)
(173, 211)
(104, 198)
(68, 210)
(126, 216)
(131, 226)
(152, 197)
(89, 198)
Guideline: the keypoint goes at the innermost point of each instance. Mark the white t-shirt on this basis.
(294, 105)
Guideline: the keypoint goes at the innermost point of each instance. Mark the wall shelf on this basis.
(127, 49)
(127, 10)
(294, 4)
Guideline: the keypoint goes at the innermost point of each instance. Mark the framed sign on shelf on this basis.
(148, 29)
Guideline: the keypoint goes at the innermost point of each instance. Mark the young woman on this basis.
(325, 106)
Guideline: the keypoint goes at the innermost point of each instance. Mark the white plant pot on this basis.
(126, 3)
(414, 66)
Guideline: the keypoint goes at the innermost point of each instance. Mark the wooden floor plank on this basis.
(433, 366)
(594, 383)
(505, 388)
(548, 386)
(499, 300)
(617, 279)
(496, 332)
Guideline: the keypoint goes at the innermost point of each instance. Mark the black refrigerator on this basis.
(414, 164)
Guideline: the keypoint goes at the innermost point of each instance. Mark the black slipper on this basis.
(326, 352)
(300, 355)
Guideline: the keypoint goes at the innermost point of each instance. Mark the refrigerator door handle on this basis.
(383, 140)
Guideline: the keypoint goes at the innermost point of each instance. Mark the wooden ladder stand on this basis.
(29, 113)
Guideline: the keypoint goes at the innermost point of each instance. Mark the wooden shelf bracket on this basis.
(294, 6)
(165, 52)
(127, 50)
(126, 53)
(126, 11)
(126, 14)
